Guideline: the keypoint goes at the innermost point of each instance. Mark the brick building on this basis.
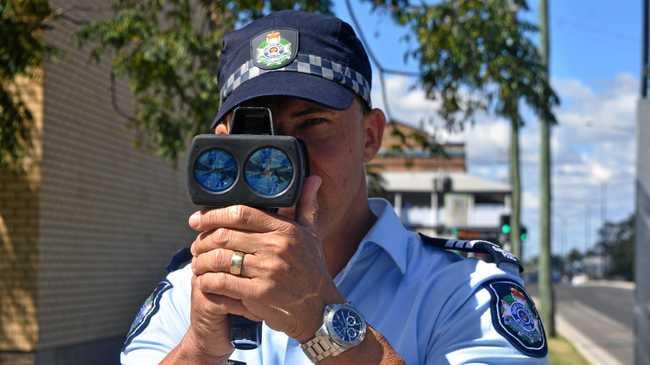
(432, 191)
(86, 234)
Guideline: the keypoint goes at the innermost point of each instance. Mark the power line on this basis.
(381, 70)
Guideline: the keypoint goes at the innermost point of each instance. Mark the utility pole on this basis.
(644, 55)
(642, 224)
(563, 238)
(515, 181)
(587, 226)
(545, 267)
(588, 218)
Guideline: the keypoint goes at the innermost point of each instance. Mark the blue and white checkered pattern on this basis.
(305, 63)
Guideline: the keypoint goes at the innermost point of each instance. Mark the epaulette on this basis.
(181, 257)
(502, 258)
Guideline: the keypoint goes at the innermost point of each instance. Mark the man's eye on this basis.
(312, 122)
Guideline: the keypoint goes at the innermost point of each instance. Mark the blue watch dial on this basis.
(215, 170)
(268, 171)
(347, 325)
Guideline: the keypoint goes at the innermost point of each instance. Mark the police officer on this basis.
(338, 279)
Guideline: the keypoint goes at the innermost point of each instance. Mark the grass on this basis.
(561, 352)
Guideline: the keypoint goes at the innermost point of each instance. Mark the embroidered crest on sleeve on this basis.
(147, 310)
(514, 316)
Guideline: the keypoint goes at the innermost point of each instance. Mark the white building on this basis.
(434, 194)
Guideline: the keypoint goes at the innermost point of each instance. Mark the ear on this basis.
(373, 125)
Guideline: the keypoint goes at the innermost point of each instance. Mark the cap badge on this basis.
(274, 49)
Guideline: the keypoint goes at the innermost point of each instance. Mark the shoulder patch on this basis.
(147, 310)
(515, 317)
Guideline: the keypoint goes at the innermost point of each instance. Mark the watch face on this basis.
(347, 327)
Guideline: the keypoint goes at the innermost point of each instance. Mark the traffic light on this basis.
(524, 234)
(505, 224)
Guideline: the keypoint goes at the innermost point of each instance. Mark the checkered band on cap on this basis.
(305, 63)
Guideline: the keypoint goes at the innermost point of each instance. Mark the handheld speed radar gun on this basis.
(250, 166)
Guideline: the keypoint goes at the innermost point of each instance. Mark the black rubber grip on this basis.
(244, 333)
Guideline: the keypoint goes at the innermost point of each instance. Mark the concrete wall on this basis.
(642, 275)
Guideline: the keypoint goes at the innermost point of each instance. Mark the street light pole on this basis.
(545, 267)
(645, 66)
(587, 226)
(642, 224)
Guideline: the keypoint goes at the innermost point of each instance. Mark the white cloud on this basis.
(405, 103)
(530, 200)
(599, 173)
(573, 89)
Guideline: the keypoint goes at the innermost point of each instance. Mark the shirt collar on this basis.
(388, 232)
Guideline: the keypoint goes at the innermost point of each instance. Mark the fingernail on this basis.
(195, 218)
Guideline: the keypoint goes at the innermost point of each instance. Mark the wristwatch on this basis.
(343, 328)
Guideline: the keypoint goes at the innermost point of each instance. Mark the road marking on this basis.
(600, 316)
(611, 284)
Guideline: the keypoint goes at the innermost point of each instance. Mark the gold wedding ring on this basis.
(236, 262)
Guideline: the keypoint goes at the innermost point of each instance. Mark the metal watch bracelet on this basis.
(320, 347)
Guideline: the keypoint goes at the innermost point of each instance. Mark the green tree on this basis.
(474, 56)
(616, 241)
(574, 256)
(22, 50)
(478, 56)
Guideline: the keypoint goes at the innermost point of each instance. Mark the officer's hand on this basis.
(209, 333)
(284, 279)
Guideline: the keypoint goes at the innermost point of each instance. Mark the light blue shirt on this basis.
(429, 303)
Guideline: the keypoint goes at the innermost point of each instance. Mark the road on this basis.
(602, 313)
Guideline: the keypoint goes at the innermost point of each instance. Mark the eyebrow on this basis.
(309, 110)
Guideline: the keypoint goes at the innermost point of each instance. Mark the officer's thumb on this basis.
(307, 210)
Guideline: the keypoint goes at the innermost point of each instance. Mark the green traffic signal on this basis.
(523, 237)
(506, 229)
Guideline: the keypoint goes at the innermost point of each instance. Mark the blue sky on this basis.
(595, 63)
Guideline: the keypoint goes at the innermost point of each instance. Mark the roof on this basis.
(413, 145)
(422, 181)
